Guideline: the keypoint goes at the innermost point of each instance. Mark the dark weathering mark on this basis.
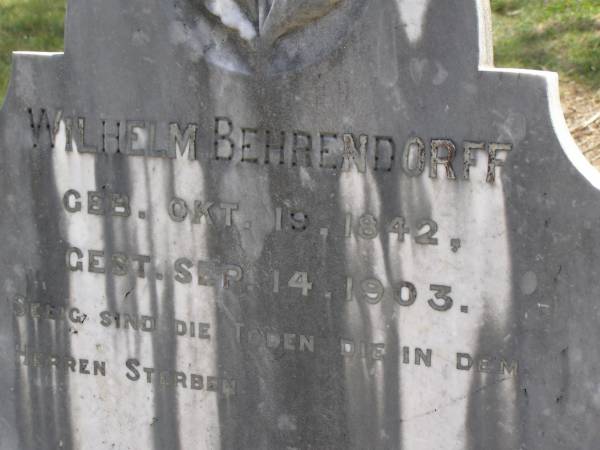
(43, 409)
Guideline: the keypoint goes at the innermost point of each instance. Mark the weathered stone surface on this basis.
(234, 225)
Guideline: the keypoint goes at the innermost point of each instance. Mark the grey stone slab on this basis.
(293, 225)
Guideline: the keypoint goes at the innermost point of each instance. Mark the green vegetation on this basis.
(28, 25)
(559, 35)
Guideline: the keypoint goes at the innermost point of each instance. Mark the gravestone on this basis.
(326, 224)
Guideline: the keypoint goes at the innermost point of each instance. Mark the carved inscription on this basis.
(225, 141)
(432, 300)
(250, 338)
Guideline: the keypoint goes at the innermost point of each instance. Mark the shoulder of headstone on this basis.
(545, 90)
(33, 76)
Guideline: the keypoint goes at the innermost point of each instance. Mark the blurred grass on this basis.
(558, 35)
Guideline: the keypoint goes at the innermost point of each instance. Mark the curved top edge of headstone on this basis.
(141, 27)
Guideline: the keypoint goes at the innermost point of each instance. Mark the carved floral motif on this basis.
(268, 20)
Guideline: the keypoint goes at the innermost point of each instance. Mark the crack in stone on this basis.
(455, 400)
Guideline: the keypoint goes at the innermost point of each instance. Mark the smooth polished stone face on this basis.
(293, 225)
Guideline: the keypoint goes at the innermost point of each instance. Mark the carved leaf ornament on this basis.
(268, 20)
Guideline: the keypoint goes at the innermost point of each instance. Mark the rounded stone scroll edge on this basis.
(551, 85)
(563, 133)
(556, 117)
